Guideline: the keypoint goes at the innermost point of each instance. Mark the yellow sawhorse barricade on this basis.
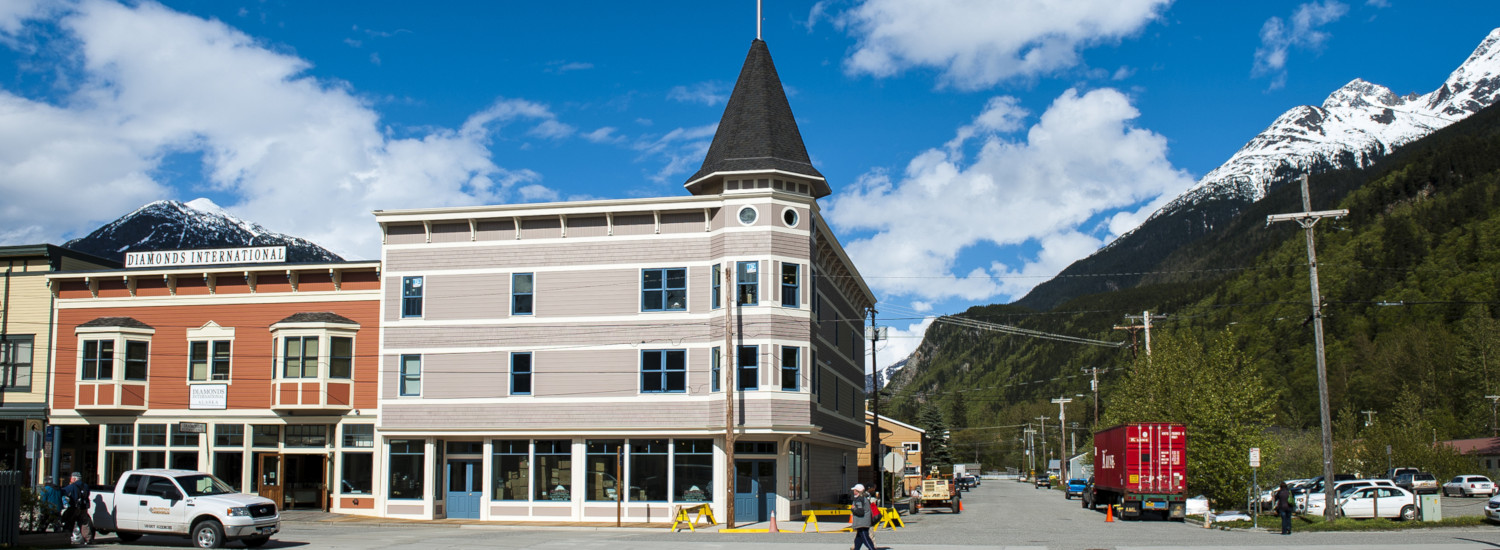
(888, 519)
(703, 511)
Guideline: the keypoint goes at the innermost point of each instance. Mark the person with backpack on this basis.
(52, 506)
(1284, 508)
(862, 518)
(78, 497)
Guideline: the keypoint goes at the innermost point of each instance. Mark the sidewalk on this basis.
(309, 517)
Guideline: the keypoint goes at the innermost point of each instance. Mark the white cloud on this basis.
(708, 93)
(14, 12)
(978, 43)
(1081, 159)
(565, 67)
(606, 134)
(679, 149)
(1277, 38)
(300, 155)
(901, 343)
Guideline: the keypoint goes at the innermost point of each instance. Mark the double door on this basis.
(754, 490)
(465, 490)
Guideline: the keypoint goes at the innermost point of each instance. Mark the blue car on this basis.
(1076, 487)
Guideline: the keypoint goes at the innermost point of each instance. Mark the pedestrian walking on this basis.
(52, 506)
(77, 514)
(860, 510)
(1284, 508)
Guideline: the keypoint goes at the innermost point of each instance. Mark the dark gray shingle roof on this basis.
(318, 317)
(125, 322)
(758, 131)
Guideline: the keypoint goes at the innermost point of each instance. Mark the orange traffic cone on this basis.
(960, 505)
(773, 523)
(1109, 514)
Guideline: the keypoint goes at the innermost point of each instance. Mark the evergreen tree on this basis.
(935, 449)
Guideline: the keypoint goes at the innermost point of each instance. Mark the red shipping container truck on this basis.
(1142, 467)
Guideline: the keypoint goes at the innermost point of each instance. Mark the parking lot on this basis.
(998, 514)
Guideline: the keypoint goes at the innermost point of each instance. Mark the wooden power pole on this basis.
(729, 365)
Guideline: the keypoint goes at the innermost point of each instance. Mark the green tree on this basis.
(935, 448)
(1217, 393)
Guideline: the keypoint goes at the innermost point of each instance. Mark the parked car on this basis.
(1314, 501)
(1420, 483)
(1389, 502)
(185, 503)
(1492, 509)
(1393, 472)
(1468, 486)
(1075, 487)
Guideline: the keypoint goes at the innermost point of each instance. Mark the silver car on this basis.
(1468, 486)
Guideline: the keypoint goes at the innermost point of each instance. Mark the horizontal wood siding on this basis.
(405, 234)
(496, 230)
(588, 293)
(464, 375)
(635, 224)
(520, 413)
(791, 246)
(683, 222)
(450, 232)
(541, 255)
(454, 297)
(541, 228)
(590, 226)
(829, 476)
(586, 373)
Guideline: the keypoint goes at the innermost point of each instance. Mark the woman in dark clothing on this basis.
(860, 509)
(1284, 508)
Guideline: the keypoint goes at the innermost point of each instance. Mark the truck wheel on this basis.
(208, 534)
(953, 505)
(128, 537)
(1408, 513)
(256, 542)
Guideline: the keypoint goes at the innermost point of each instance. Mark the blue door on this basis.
(464, 492)
(754, 490)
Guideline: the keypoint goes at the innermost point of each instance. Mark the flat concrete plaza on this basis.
(998, 514)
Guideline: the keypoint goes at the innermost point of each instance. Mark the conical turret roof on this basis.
(758, 131)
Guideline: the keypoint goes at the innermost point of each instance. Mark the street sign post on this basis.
(1255, 483)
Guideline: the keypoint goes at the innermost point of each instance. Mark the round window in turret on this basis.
(790, 217)
(748, 215)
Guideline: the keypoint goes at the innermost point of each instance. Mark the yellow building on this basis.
(25, 348)
(897, 438)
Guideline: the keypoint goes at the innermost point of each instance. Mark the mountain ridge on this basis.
(175, 225)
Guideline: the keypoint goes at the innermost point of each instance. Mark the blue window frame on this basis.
(747, 275)
(715, 373)
(520, 373)
(411, 296)
(748, 367)
(791, 368)
(714, 300)
(664, 289)
(522, 291)
(98, 359)
(408, 459)
(791, 282)
(411, 375)
(663, 371)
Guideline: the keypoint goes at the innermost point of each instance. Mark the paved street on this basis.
(999, 514)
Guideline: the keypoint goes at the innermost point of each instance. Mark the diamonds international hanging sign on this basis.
(207, 256)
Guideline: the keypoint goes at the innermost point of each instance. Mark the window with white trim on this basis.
(747, 278)
(522, 294)
(664, 289)
(663, 371)
(411, 296)
(411, 375)
(791, 282)
(520, 374)
(210, 352)
(16, 352)
(99, 352)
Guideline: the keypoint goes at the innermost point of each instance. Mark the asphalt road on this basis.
(998, 514)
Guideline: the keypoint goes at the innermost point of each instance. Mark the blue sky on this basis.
(974, 147)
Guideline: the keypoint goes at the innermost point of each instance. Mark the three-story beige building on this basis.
(563, 361)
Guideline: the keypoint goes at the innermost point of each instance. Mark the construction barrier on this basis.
(703, 511)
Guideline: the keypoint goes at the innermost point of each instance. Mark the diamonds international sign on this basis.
(207, 256)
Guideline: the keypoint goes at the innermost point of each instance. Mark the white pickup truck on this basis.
(183, 503)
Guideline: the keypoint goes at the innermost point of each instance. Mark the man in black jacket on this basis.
(78, 496)
(1284, 508)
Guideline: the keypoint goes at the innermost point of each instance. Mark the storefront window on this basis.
(554, 470)
(151, 459)
(307, 435)
(230, 467)
(266, 435)
(648, 470)
(358, 474)
(185, 460)
(116, 463)
(693, 471)
(119, 435)
(359, 436)
(152, 435)
(407, 467)
(183, 439)
(512, 469)
(601, 470)
(797, 476)
(229, 435)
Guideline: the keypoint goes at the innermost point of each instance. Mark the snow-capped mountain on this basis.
(174, 225)
(1356, 125)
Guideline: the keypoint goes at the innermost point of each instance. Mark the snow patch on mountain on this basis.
(1355, 126)
(175, 225)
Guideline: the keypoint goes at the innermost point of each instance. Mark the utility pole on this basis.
(1494, 429)
(729, 368)
(876, 456)
(1094, 385)
(1043, 432)
(1145, 317)
(1307, 218)
(1369, 417)
(1030, 452)
(1062, 436)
